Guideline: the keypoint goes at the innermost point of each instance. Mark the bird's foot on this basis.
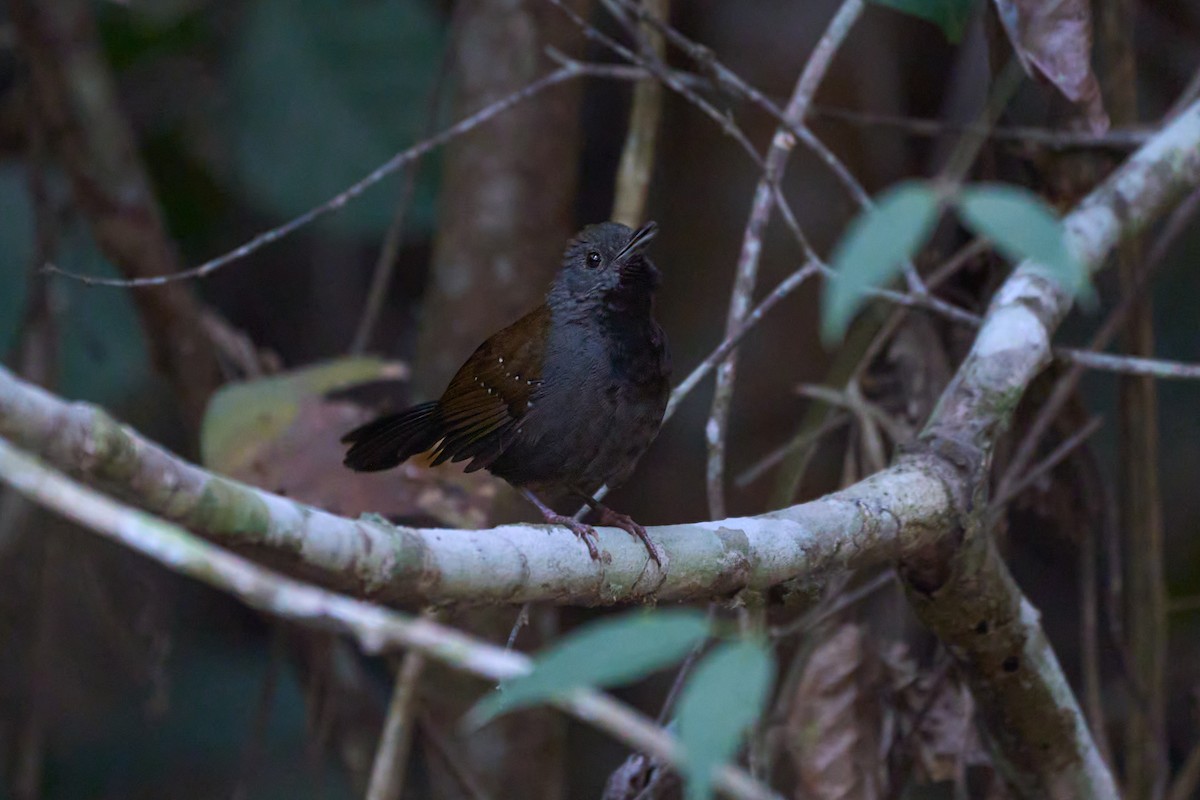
(623, 521)
(585, 532)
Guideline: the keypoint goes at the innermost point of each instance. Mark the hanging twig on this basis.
(566, 72)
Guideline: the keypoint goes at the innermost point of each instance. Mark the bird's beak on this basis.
(641, 237)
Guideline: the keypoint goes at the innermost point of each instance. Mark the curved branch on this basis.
(868, 523)
(892, 514)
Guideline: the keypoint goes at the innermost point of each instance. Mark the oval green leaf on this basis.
(608, 652)
(1022, 226)
(721, 701)
(875, 246)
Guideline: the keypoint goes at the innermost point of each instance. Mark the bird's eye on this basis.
(593, 259)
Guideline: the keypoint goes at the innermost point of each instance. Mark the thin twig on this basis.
(1117, 139)
(798, 442)
(377, 629)
(391, 756)
(852, 400)
(521, 621)
(678, 84)
(840, 603)
(716, 428)
(785, 287)
(568, 71)
(1129, 365)
(732, 82)
(668, 706)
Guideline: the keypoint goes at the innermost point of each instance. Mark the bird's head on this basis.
(606, 260)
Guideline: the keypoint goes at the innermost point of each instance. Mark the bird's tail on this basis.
(388, 441)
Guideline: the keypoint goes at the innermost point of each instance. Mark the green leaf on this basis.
(721, 701)
(870, 254)
(608, 652)
(321, 94)
(1023, 227)
(950, 15)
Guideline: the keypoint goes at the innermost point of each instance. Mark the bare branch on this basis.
(1129, 365)
(508, 564)
(568, 71)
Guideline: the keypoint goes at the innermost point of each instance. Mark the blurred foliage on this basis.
(102, 356)
(721, 702)
(16, 232)
(873, 250)
(319, 99)
(202, 738)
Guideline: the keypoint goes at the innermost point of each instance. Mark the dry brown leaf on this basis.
(835, 721)
(1053, 39)
(945, 740)
(283, 434)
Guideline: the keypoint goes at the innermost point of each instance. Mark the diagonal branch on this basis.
(375, 628)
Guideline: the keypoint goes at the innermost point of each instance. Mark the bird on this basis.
(564, 400)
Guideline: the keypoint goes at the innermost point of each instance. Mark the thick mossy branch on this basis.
(872, 522)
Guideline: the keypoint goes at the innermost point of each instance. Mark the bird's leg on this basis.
(624, 522)
(585, 532)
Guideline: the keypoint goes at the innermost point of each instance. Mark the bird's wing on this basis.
(484, 404)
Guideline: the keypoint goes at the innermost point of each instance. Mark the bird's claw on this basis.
(623, 521)
(585, 532)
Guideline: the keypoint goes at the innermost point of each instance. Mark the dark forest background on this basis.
(135, 683)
